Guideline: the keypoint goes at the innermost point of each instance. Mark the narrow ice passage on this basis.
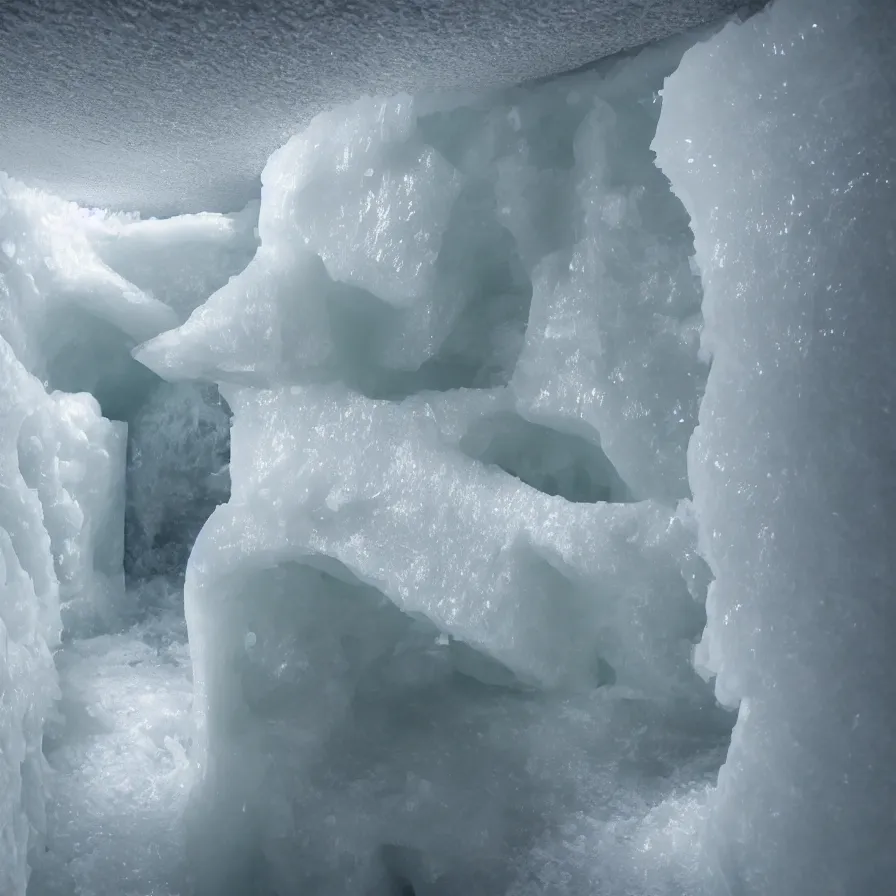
(509, 455)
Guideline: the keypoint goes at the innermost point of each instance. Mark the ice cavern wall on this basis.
(525, 464)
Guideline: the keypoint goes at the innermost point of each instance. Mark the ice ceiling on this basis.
(500, 503)
(173, 106)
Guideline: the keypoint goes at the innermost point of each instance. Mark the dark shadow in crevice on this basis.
(88, 354)
(550, 461)
(177, 474)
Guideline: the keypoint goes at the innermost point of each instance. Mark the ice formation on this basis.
(68, 322)
(515, 452)
(61, 518)
(463, 368)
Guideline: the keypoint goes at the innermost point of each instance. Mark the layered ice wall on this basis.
(779, 135)
(458, 566)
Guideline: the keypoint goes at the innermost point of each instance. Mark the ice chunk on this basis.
(611, 350)
(179, 261)
(542, 585)
(779, 136)
(360, 188)
(30, 627)
(52, 240)
(358, 535)
(84, 287)
(263, 326)
(354, 210)
(61, 494)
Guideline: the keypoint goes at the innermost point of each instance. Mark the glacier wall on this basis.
(779, 134)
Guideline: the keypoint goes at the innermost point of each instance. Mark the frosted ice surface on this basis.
(52, 241)
(29, 628)
(779, 135)
(547, 587)
(182, 103)
(68, 319)
(339, 289)
(61, 512)
(179, 261)
(443, 628)
(611, 349)
(362, 190)
(432, 554)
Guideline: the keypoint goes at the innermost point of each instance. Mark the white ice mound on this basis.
(779, 134)
(74, 460)
(61, 480)
(463, 370)
(401, 239)
(30, 627)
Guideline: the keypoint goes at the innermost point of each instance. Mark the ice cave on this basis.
(465, 467)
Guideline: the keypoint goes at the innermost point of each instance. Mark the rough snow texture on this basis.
(458, 558)
(173, 106)
(779, 135)
(68, 320)
(443, 629)
(61, 514)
